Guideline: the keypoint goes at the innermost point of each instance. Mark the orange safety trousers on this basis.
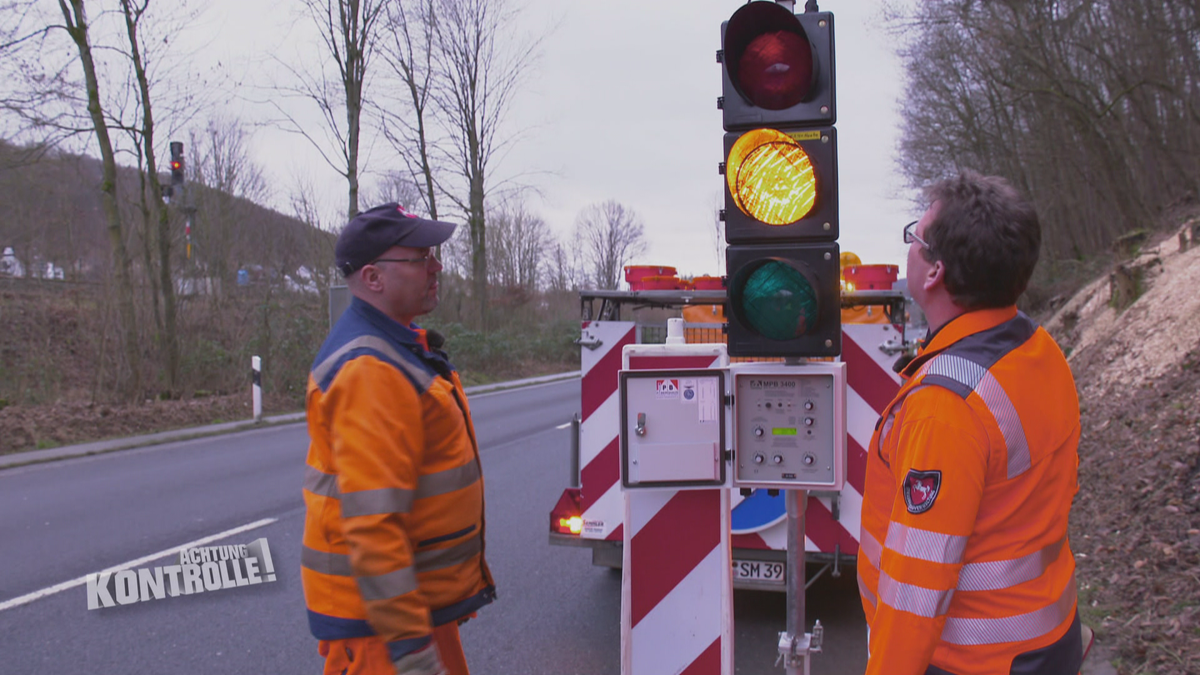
(369, 655)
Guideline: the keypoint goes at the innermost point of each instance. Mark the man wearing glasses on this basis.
(964, 564)
(392, 559)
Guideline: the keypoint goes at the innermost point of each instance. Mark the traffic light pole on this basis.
(796, 646)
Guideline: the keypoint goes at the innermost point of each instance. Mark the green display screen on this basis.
(777, 431)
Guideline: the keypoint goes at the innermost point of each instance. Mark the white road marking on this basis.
(67, 585)
(563, 426)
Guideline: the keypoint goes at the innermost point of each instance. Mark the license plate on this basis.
(759, 570)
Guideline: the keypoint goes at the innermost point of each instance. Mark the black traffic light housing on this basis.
(819, 224)
(781, 182)
(176, 163)
(784, 300)
(786, 92)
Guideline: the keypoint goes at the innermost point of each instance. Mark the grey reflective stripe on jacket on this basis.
(994, 575)
(390, 500)
(964, 377)
(338, 564)
(322, 372)
(1017, 628)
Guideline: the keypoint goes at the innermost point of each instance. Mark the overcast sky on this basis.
(622, 105)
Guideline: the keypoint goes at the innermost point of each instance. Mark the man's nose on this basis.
(435, 265)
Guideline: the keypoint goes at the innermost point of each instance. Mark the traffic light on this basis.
(781, 199)
(176, 163)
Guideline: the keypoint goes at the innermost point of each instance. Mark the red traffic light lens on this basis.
(768, 56)
(176, 165)
(776, 70)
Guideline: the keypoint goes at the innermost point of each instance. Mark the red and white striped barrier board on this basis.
(600, 428)
(677, 579)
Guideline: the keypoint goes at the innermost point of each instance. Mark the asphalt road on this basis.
(555, 614)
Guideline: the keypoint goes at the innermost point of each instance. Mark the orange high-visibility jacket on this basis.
(394, 531)
(964, 564)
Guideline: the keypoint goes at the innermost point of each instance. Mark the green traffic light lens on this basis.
(778, 301)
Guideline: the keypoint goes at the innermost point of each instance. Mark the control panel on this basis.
(789, 426)
(672, 428)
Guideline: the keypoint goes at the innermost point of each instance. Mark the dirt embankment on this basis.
(1136, 522)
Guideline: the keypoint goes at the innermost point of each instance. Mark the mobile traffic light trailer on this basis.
(590, 511)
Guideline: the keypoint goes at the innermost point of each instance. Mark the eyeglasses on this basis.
(910, 236)
(424, 260)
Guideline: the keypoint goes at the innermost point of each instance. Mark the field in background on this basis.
(59, 358)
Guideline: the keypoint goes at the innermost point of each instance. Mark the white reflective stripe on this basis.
(866, 592)
(991, 576)
(376, 502)
(1009, 421)
(966, 373)
(436, 559)
(1017, 628)
(887, 426)
(917, 600)
(320, 483)
(390, 585)
(975, 377)
(912, 542)
(869, 547)
(336, 564)
(442, 482)
(422, 378)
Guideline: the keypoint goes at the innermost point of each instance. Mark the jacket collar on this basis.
(959, 327)
(411, 335)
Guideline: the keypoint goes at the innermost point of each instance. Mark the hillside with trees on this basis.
(1092, 107)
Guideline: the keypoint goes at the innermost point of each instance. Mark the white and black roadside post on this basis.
(256, 378)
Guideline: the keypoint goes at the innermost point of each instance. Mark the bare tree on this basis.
(562, 269)
(349, 31)
(718, 233)
(133, 14)
(609, 234)
(227, 182)
(76, 25)
(1102, 133)
(398, 186)
(480, 64)
(518, 241)
(409, 55)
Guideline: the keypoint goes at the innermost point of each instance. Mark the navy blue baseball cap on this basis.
(372, 232)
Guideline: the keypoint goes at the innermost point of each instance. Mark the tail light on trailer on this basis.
(567, 515)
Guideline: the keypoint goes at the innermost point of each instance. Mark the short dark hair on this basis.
(988, 237)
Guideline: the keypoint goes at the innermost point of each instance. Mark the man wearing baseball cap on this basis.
(392, 559)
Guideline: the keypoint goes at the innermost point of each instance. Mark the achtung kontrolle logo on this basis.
(200, 569)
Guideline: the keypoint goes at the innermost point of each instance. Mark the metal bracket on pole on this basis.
(794, 651)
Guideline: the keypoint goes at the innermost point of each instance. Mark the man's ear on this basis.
(370, 278)
(936, 276)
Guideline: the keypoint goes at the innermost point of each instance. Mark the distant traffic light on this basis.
(176, 163)
(781, 197)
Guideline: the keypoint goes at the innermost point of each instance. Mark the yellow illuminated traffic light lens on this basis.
(771, 177)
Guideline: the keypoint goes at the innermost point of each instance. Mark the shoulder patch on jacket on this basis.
(921, 489)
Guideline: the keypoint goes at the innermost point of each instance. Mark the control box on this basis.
(672, 428)
(789, 425)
